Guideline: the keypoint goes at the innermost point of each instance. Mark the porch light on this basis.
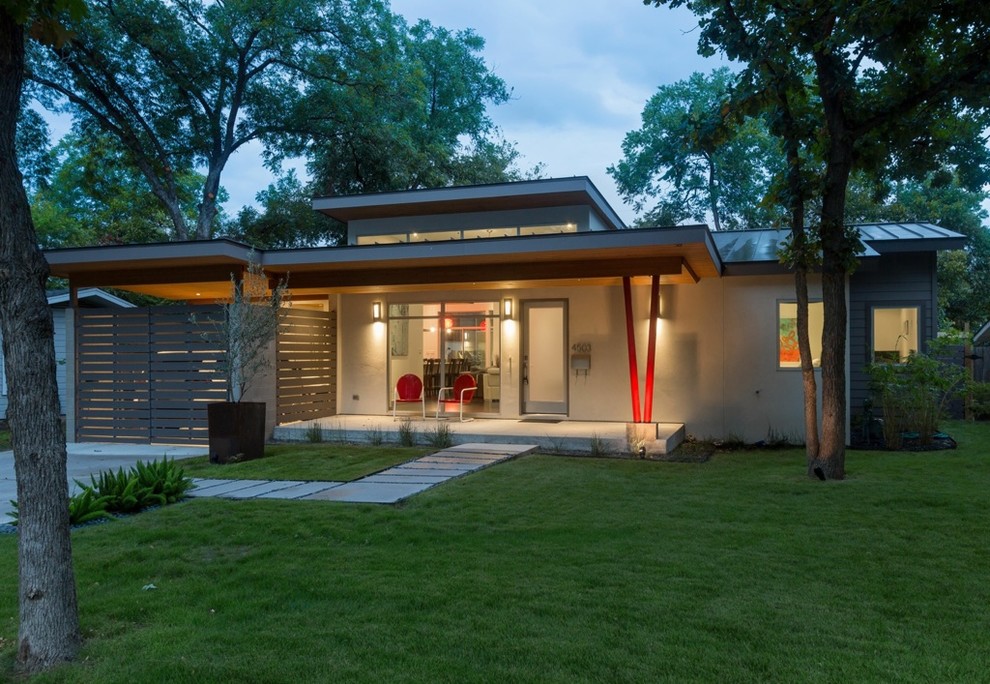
(377, 312)
(507, 308)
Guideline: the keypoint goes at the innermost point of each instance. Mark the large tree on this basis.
(370, 102)
(425, 125)
(93, 195)
(48, 631)
(896, 83)
(188, 83)
(285, 219)
(687, 162)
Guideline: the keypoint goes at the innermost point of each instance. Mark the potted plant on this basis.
(245, 331)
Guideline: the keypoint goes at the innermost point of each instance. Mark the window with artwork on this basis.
(788, 353)
(895, 333)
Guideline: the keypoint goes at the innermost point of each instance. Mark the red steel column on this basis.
(631, 343)
(651, 353)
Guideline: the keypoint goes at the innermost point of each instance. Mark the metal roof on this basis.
(762, 246)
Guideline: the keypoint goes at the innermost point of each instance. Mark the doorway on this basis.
(544, 345)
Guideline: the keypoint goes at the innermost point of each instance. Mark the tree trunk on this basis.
(809, 385)
(838, 255)
(49, 623)
(802, 260)
(838, 260)
(831, 461)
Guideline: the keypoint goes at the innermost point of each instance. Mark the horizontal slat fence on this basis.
(146, 375)
(306, 370)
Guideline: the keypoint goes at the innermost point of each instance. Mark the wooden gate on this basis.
(146, 375)
(306, 375)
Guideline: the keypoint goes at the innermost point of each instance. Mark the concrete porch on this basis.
(550, 433)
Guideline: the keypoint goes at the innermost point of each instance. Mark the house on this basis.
(534, 288)
(58, 301)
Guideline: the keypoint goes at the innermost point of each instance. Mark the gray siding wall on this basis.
(906, 279)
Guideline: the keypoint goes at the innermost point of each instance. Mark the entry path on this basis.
(388, 486)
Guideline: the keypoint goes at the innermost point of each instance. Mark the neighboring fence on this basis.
(306, 378)
(145, 375)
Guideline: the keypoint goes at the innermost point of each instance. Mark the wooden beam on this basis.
(155, 276)
(471, 273)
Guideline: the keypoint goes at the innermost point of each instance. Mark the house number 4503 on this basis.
(581, 347)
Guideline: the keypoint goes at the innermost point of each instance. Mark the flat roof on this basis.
(202, 270)
(547, 192)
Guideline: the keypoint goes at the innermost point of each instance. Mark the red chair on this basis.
(408, 390)
(462, 393)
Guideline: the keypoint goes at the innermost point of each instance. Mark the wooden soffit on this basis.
(202, 271)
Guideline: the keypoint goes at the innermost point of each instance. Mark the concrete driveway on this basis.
(89, 459)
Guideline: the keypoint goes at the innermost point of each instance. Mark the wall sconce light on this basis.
(377, 312)
(507, 308)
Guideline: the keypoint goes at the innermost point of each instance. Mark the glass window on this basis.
(489, 233)
(435, 236)
(788, 354)
(548, 230)
(439, 341)
(381, 239)
(895, 333)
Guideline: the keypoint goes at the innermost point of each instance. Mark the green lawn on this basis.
(555, 569)
(326, 462)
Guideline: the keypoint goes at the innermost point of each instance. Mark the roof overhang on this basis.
(551, 192)
(202, 270)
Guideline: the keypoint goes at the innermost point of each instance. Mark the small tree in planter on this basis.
(246, 329)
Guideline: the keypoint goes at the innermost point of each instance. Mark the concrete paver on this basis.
(258, 490)
(370, 492)
(402, 479)
(300, 490)
(228, 487)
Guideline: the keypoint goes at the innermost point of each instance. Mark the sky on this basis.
(580, 72)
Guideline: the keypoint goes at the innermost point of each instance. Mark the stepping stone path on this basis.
(388, 486)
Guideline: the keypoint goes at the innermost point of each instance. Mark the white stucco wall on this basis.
(717, 359)
(716, 368)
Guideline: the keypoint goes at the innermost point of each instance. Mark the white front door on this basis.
(544, 380)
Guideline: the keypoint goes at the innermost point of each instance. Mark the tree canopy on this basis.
(371, 103)
(688, 163)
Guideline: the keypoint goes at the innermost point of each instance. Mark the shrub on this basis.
(980, 400)
(407, 433)
(314, 433)
(87, 506)
(914, 395)
(123, 492)
(146, 484)
(599, 446)
(439, 436)
(375, 435)
(164, 478)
